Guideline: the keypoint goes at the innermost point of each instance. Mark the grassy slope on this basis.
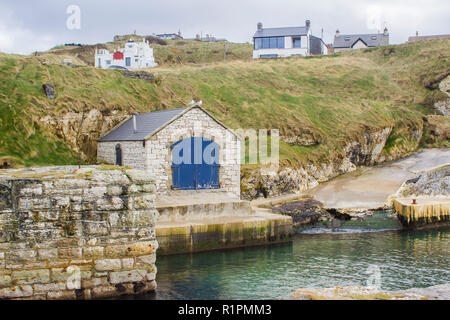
(336, 97)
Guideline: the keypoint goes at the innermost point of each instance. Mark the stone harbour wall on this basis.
(76, 233)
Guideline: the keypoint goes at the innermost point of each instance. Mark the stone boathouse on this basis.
(195, 162)
(185, 149)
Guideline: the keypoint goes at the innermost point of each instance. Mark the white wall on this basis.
(140, 51)
(359, 44)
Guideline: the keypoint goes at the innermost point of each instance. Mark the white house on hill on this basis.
(286, 42)
(135, 55)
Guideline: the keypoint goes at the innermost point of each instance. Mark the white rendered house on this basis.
(285, 42)
(135, 55)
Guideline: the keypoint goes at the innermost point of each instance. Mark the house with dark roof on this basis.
(286, 42)
(185, 149)
(344, 42)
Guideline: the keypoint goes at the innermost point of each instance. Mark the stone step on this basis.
(189, 212)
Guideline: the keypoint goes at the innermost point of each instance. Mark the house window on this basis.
(108, 61)
(374, 37)
(347, 38)
(128, 61)
(296, 43)
(269, 43)
(268, 56)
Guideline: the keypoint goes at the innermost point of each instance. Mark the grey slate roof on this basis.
(371, 40)
(279, 32)
(146, 123)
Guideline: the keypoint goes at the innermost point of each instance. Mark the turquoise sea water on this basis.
(318, 258)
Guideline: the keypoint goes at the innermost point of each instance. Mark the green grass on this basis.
(335, 98)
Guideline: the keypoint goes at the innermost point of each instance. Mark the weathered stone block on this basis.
(59, 286)
(48, 254)
(5, 280)
(127, 263)
(34, 203)
(107, 264)
(139, 176)
(21, 255)
(16, 292)
(93, 252)
(114, 203)
(127, 276)
(123, 250)
(94, 282)
(61, 295)
(31, 276)
(70, 253)
(95, 228)
(148, 259)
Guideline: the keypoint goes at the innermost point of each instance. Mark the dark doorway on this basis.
(118, 155)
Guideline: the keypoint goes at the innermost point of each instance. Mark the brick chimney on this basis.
(337, 33)
(308, 23)
(259, 26)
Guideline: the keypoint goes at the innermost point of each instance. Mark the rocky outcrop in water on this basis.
(439, 292)
(303, 212)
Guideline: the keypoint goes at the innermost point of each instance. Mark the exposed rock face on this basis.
(368, 150)
(365, 151)
(443, 107)
(434, 183)
(82, 129)
(270, 183)
(49, 90)
(142, 75)
(305, 137)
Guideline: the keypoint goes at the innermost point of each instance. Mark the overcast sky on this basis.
(27, 26)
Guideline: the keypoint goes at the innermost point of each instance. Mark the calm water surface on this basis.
(314, 260)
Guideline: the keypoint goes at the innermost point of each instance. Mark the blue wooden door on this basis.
(195, 164)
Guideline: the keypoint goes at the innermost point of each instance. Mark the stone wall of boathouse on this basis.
(155, 155)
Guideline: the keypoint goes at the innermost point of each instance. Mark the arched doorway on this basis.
(195, 164)
(119, 155)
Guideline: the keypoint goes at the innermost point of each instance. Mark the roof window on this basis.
(347, 38)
